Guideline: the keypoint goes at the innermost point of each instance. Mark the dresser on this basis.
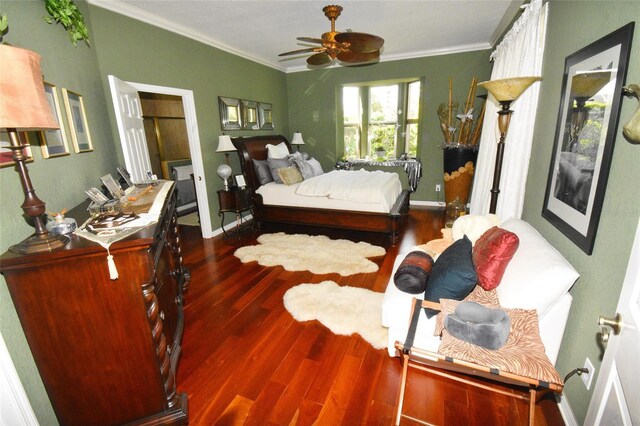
(107, 351)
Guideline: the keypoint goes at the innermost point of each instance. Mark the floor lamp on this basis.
(23, 106)
(505, 91)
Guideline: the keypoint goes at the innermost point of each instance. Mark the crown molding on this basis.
(133, 12)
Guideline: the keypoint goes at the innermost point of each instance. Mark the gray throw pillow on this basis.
(303, 166)
(274, 165)
(315, 166)
(479, 325)
(261, 167)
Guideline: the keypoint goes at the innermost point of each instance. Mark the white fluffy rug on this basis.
(318, 254)
(343, 310)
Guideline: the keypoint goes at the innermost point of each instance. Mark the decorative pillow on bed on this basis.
(413, 273)
(298, 160)
(491, 255)
(453, 275)
(315, 166)
(274, 165)
(261, 167)
(290, 175)
(277, 151)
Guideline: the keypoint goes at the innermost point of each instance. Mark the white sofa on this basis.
(537, 277)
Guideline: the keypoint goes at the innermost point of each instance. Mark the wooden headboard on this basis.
(255, 148)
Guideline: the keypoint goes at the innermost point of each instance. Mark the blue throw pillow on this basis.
(274, 165)
(261, 167)
(453, 275)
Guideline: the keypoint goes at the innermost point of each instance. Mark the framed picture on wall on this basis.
(77, 116)
(6, 154)
(53, 142)
(249, 115)
(264, 116)
(585, 134)
(230, 118)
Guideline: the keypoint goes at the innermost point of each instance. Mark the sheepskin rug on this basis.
(343, 310)
(317, 254)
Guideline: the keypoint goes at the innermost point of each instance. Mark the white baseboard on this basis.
(566, 411)
(231, 225)
(426, 203)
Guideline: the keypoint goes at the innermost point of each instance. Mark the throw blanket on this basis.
(360, 186)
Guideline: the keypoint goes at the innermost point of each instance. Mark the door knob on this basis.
(606, 324)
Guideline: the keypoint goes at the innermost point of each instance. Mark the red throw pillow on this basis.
(491, 255)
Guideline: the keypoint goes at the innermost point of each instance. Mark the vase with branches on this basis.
(461, 131)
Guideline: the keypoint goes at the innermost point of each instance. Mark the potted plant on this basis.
(461, 133)
(379, 151)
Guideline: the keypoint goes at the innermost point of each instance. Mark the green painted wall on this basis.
(315, 93)
(573, 25)
(141, 53)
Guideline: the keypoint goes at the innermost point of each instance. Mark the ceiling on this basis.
(260, 30)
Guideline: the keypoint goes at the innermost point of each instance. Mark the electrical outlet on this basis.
(438, 188)
(588, 377)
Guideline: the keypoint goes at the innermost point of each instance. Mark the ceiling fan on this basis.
(348, 47)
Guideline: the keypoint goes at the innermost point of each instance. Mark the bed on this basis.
(351, 217)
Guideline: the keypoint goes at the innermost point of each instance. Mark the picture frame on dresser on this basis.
(585, 135)
(53, 143)
(78, 124)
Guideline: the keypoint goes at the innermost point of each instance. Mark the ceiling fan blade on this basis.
(361, 42)
(309, 39)
(319, 59)
(358, 58)
(296, 52)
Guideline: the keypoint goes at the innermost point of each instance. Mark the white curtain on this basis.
(518, 55)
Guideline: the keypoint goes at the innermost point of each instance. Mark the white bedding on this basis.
(359, 190)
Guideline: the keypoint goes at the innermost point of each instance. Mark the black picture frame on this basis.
(585, 135)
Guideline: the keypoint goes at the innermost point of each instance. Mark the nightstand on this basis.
(235, 200)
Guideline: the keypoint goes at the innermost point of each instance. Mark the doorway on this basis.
(192, 136)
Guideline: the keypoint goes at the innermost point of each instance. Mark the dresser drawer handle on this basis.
(162, 315)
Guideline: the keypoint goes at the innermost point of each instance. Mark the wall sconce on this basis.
(505, 91)
(23, 106)
(297, 140)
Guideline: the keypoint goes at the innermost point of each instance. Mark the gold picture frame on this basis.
(230, 116)
(77, 116)
(265, 117)
(54, 141)
(249, 114)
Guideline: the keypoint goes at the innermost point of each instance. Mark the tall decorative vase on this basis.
(459, 168)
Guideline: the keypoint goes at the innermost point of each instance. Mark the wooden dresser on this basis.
(107, 351)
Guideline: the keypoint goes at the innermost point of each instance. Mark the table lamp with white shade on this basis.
(224, 170)
(297, 140)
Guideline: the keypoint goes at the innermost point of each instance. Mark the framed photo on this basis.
(264, 116)
(585, 134)
(74, 105)
(249, 115)
(53, 142)
(6, 154)
(230, 118)
(240, 181)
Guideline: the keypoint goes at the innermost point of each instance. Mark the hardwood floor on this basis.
(247, 361)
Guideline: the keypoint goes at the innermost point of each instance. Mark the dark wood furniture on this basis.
(107, 351)
(254, 148)
(234, 200)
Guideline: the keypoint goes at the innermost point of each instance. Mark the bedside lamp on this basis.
(297, 140)
(224, 170)
(505, 91)
(23, 106)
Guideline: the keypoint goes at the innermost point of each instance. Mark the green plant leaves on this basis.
(66, 13)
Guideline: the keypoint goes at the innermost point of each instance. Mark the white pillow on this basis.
(538, 275)
(277, 151)
(315, 166)
(473, 226)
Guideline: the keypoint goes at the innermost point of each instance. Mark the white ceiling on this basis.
(260, 30)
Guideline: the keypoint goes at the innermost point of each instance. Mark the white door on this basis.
(616, 397)
(126, 104)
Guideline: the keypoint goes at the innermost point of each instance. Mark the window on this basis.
(381, 116)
